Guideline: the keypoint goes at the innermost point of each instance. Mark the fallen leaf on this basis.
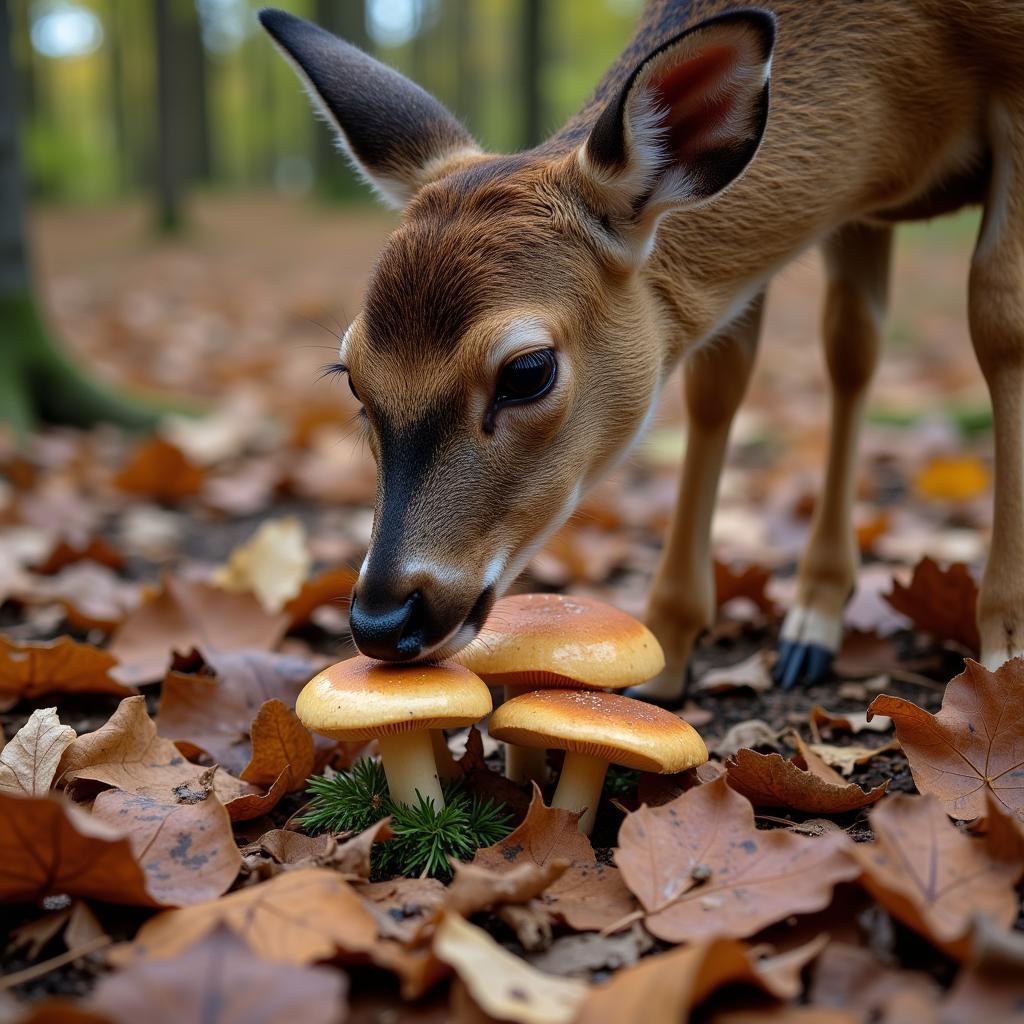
(280, 743)
(92, 596)
(750, 582)
(273, 564)
(702, 870)
(297, 918)
(159, 470)
(76, 922)
(953, 478)
(580, 956)
(187, 614)
(846, 721)
(32, 670)
(973, 745)
(750, 733)
(931, 876)
(333, 586)
(501, 984)
(754, 673)
(989, 987)
(185, 847)
(48, 845)
(404, 906)
(769, 780)
(286, 847)
(66, 552)
(29, 761)
(851, 757)
(219, 980)
(475, 888)
(940, 602)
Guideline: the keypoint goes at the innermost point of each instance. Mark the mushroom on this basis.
(533, 641)
(398, 706)
(597, 729)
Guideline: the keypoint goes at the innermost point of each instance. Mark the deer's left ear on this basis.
(396, 135)
(686, 123)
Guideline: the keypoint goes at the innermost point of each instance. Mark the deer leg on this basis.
(857, 264)
(996, 315)
(682, 601)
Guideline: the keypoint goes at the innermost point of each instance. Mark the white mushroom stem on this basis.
(408, 759)
(579, 787)
(524, 764)
(446, 766)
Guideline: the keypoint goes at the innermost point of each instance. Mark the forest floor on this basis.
(121, 545)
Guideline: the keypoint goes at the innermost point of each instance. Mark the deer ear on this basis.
(394, 133)
(686, 123)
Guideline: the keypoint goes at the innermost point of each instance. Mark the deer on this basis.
(522, 319)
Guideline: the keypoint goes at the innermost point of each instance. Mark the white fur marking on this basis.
(809, 626)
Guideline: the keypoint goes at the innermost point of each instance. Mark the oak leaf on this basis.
(942, 602)
(219, 979)
(48, 846)
(29, 761)
(187, 614)
(805, 783)
(280, 743)
(297, 918)
(933, 877)
(32, 670)
(702, 870)
(588, 896)
(974, 745)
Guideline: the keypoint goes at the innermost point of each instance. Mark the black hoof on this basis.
(668, 703)
(806, 664)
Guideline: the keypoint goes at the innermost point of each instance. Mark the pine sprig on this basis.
(424, 838)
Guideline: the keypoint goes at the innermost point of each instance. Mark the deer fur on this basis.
(628, 261)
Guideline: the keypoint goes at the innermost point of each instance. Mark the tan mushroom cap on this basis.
(360, 699)
(608, 726)
(543, 640)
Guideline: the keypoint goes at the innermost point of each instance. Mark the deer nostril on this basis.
(392, 632)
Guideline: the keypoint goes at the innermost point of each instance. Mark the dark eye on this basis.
(352, 388)
(526, 378)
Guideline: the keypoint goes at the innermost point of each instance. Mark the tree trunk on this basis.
(37, 380)
(466, 82)
(532, 51)
(172, 155)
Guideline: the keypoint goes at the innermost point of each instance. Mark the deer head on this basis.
(511, 345)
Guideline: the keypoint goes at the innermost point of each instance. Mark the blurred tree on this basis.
(37, 380)
(466, 79)
(532, 56)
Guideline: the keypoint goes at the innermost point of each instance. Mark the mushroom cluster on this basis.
(558, 658)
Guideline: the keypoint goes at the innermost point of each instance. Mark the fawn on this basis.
(521, 320)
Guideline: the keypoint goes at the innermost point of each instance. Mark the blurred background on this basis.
(193, 232)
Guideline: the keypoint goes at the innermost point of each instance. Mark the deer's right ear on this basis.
(394, 133)
(684, 125)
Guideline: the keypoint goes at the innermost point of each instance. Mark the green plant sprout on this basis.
(424, 837)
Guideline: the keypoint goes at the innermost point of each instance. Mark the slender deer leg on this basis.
(857, 264)
(996, 312)
(682, 601)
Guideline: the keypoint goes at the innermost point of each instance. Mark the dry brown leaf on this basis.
(32, 670)
(298, 917)
(76, 921)
(286, 847)
(67, 552)
(941, 602)
(402, 906)
(845, 721)
(753, 732)
(333, 586)
(991, 986)
(475, 888)
(788, 1015)
(219, 980)
(280, 743)
(159, 470)
(273, 564)
(750, 582)
(29, 761)
(48, 845)
(188, 614)
(211, 707)
(769, 780)
(92, 596)
(702, 870)
(500, 983)
(753, 673)
(185, 847)
(974, 745)
(933, 877)
(588, 896)
(848, 758)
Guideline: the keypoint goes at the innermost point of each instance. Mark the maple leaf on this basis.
(588, 896)
(941, 602)
(32, 670)
(29, 761)
(48, 845)
(804, 784)
(219, 978)
(750, 582)
(932, 876)
(973, 745)
(702, 870)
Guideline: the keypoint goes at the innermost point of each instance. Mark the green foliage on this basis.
(621, 781)
(424, 838)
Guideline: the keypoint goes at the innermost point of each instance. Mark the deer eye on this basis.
(352, 388)
(526, 378)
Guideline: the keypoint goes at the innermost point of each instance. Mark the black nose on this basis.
(389, 631)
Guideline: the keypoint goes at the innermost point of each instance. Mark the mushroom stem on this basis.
(524, 764)
(579, 787)
(446, 766)
(408, 759)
